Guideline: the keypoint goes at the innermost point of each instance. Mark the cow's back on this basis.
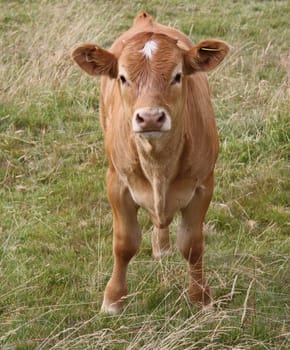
(145, 23)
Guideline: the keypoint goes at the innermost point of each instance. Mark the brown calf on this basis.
(161, 142)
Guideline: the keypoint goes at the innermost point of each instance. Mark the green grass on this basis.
(55, 221)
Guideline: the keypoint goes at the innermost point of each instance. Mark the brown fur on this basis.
(163, 175)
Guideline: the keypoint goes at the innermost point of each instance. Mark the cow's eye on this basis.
(122, 79)
(176, 79)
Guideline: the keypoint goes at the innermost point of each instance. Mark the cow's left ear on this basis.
(205, 56)
(96, 61)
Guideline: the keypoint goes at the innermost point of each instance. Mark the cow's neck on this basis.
(159, 161)
(159, 157)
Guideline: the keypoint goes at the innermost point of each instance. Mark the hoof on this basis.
(112, 308)
(161, 254)
(199, 296)
(208, 309)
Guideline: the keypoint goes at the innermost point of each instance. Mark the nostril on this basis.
(139, 119)
(162, 118)
(150, 119)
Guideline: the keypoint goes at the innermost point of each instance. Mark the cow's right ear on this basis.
(96, 61)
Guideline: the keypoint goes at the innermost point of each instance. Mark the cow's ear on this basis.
(205, 56)
(96, 61)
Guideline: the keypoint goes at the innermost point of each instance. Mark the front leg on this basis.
(190, 241)
(126, 241)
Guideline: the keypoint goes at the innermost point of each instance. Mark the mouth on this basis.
(149, 135)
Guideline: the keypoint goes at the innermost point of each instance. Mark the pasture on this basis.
(55, 220)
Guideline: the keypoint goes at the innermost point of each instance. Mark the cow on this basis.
(161, 142)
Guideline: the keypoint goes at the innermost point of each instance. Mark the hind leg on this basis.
(160, 241)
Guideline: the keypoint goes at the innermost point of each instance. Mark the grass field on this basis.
(55, 221)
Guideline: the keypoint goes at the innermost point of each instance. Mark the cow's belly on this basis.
(161, 200)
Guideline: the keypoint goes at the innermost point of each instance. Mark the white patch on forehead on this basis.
(149, 48)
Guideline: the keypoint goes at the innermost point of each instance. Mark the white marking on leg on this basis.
(149, 48)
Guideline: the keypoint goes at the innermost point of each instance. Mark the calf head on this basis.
(151, 70)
